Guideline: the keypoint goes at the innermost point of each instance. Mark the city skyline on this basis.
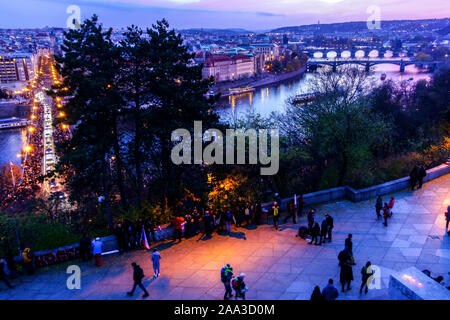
(251, 15)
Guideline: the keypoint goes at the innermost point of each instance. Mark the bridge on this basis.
(374, 51)
(368, 63)
(12, 123)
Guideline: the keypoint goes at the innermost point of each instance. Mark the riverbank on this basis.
(259, 81)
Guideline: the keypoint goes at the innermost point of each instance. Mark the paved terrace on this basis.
(278, 264)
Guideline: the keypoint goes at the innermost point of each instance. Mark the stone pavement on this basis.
(278, 265)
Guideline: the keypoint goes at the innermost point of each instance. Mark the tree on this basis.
(89, 68)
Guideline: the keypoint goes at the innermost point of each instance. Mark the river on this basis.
(263, 101)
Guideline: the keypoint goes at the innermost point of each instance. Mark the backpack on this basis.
(223, 276)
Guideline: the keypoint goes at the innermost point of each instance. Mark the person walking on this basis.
(156, 257)
(315, 231)
(85, 247)
(97, 247)
(366, 273)
(330, 225)
(275, 214)
(226, 274)
(346, 273)
(138, 275)
(413, 177)
(310, 218)
(239, 287)
(323, 231)
(330, 292)
(3, 274)
(421, 173)
(317, 295)
(379, 206)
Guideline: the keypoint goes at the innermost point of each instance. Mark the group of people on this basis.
(231, 283)
(386, 208)
(10, 268)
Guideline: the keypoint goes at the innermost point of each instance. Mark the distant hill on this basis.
(407, 25)
(216, 31)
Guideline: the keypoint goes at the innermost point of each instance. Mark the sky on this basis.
(253, 15)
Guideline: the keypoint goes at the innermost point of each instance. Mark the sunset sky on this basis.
(248, 14)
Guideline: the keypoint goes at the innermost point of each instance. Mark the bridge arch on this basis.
(331, 54)
(318, 55)
(360, 54)
(373, 53)
(346, 54)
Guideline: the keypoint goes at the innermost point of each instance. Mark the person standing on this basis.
(421, 173)
(386, 213)
(391, 205)
(207, 221)
(27, 257)
(330, 225)
(447, 219)
(239, 287)
(247, 214)
(85, 247)
(323, 231)
(120, 235)
(228, 220)
(156, 257)
(301, 203)
(349, 246)
(346, 273)
(310, 218)
(330, 292)
(291, 211)
(317, 295)
(138, 275)
(258, 213)
(366, 273)
(315, 231)
(413, 176)
(177, 223)
(3, 274)
(226, 274)
(379, 206)
(275, 214)
(97, 247)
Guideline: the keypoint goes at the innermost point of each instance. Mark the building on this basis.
(224, 67)
(17, 67)
(269, 50)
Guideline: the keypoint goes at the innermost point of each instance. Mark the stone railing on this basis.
(348, 193)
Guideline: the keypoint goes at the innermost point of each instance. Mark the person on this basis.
(247, 214)
(207, 220)
(228, 220)
(379, 206)
(188, 225)
(301, 203)
(323, 231)
(330, 292)
(11, 264)
(413, 177)
(330, 225)
(391, 205)
(386, 213)
(258, 213)
(346, 273)
(366, 273)
(275, 214)
(226, 274)
(317, 295)
(177, 223)
(349, 246)
(291, 211)
(315, 233)
(302, 232)
(120, 235)
(310, 218)
(3, 274)
(239, 287)
(421, 173)
(196, 217)
(156, 257)
(27, 257)
(138, 275)
(447, 219)
(85, 247)
(97, 246)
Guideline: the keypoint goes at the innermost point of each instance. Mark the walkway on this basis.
(278, 265)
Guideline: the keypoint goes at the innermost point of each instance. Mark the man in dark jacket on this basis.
(378, 206)
(85, 247)
(120, 234)
(346, 274)
(413, 177)
(366, 273)
(310, 217)
(323, 231)
(330, 292)
(138, 275)
(315, 231)
(330, 225)
(421, 173)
